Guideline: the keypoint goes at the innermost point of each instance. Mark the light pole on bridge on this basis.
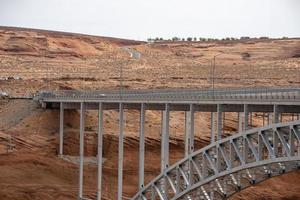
(213, 72)
(121, 79)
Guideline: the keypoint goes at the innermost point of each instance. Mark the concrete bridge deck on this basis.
(232, 100)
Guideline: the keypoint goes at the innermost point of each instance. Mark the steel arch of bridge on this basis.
(229, 165)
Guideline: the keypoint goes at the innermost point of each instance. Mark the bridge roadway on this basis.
(272, 102)
(284, 96)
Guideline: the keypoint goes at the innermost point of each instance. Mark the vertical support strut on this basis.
(275, 114)
(142, 146)
(100, 150)
(219, 120)
(165, 138)
(246, 117)
(61, 129)
(240, 119)
(191, 128)
(212, 125)
(81, 149)
(165, 146)
(187, 133)
(121, 149)
(270, 119)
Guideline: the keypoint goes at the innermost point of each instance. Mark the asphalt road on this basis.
(133, 54)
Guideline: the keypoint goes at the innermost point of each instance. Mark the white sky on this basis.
(140, 19)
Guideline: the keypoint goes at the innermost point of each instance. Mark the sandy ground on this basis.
(49, 60)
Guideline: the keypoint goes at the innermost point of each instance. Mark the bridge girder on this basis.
(181, 107)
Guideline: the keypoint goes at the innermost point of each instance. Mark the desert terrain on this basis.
(33, 60)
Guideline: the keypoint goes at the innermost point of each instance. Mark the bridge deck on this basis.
(260, 100)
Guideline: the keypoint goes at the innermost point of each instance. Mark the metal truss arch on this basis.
(229, 165)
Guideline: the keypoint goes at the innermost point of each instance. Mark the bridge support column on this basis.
(240, 120)
(246, 117)
(142, 146)
(100, 151)
(121, 151)
(186, 133)
(165, 138)
(212, 129)
(189, 131)
(219, 122)
(275, 114)
(81, 150)
(61, 129)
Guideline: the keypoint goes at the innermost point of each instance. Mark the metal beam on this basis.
(219, 122)
(275, 114)
(240, 121)
(192, 129)
(212, 129)
(246, 117)
(269, 119)
(165, 138)
(100, 151)
(121, 151)
(142, 147)
(61, 129)
(189, 130)
(178, 106)
(186, 133)
(81, 150)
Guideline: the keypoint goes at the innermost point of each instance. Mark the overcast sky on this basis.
(140, 19)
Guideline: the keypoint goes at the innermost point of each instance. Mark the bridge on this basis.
(225, 166)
